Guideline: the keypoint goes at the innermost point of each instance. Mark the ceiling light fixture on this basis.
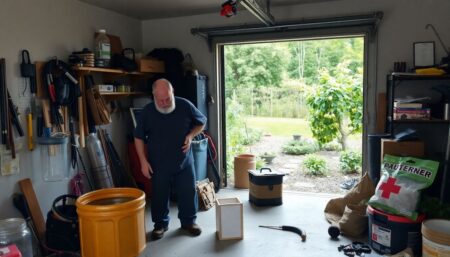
(261, 13)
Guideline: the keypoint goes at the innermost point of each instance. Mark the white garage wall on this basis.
(403, 23)
(51, 28)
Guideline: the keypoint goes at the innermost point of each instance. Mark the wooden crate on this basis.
(402, 148)
(229, 218)
(150, 65)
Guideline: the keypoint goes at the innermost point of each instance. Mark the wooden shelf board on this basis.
(422, 121)
(413, 76)
(109, 70)
(121, 93)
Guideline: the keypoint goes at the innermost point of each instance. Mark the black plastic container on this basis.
(266, 187)
(374, 153)
(390, 234)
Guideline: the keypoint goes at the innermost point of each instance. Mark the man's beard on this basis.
(167, 110)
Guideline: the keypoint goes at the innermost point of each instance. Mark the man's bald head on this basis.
(161, 85)
(163, 96)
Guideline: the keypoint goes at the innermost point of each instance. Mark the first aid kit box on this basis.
(390, 234)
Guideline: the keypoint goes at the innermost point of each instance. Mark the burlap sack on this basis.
(354, 221)
(355, 199)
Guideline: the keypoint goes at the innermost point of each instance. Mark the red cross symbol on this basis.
(389, 187)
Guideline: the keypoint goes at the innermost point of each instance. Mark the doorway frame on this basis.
(369, 77)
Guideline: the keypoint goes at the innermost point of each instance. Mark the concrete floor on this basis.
(303, 210)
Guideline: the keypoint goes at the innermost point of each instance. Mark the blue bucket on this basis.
(199, 150)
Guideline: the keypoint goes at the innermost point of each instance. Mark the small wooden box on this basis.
(402, 148)
(151, 65)
(229, 218)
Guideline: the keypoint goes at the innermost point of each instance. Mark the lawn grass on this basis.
(284, 126)
(280, 126)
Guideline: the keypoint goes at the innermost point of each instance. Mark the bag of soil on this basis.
(398, 191)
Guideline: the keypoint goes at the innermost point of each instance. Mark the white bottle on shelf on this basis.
(102, 49)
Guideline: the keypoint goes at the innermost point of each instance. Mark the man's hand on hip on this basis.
(187, 143)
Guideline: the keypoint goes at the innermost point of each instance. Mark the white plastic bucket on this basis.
(436, 238)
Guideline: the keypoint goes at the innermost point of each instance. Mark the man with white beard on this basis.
(167, 125)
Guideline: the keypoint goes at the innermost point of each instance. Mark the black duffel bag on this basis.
(120, 61)
(62, 229)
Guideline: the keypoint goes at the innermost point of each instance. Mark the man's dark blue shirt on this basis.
(164, 134)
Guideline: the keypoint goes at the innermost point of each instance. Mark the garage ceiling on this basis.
(154, 9)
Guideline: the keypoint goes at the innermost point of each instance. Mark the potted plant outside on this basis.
(268, 157)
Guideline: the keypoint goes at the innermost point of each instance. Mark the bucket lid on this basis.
(111, 199)
(437, 230)
(12, 226)
(265, 172)
(395, 218)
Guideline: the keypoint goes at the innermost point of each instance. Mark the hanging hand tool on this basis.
(14, 116)
(30, 129)
(51, 88)
(28, 70)
(3, 103)
(73, 145)
(39, 121)
(288, 228)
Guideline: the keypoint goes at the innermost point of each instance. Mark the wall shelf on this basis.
(122, 93)
(109, 70)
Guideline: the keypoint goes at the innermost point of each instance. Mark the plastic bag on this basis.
(398, 191)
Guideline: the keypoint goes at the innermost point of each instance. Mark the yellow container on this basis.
(112, 222)
(243, 163)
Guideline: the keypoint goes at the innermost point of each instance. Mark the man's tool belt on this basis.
(206, 194)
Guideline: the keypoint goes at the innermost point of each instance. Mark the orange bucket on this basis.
(242, 164)
(112, 222)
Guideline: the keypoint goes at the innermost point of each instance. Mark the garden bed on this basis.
(297, 180)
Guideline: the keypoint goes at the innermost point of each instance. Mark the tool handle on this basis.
(295, 230)
(33, 87)
(30, 131)
(14, 116)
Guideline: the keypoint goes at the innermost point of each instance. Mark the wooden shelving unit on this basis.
(109, 70)
(107, 74)
(435, 132)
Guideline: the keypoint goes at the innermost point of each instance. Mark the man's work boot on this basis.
(158, 233)
(193, 229)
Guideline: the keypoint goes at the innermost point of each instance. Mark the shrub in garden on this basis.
(299, 147)
(332, 146)
(350, 162)
(315, 165)
(260, 163)
(251, 136)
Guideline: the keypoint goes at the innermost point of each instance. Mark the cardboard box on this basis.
(105, 88)
(229, 218)
(402, 148)
(150, 65)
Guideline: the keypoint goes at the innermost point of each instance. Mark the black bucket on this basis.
(390, 234)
